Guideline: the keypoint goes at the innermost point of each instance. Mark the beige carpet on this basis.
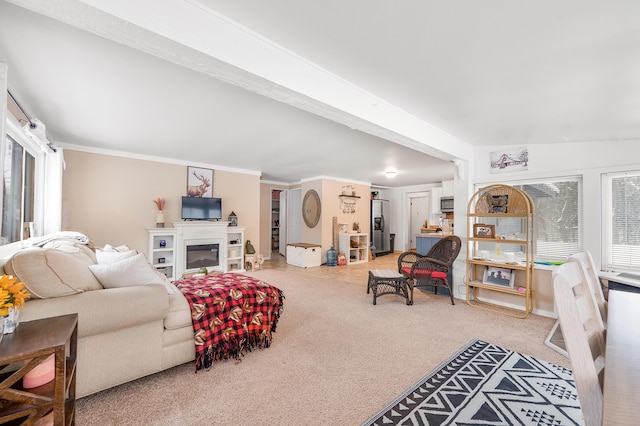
(335, 359)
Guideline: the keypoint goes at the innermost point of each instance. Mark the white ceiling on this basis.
(371, 84)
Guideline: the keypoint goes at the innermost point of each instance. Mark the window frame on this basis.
(607, 220)
(550, 180)
(14, 130)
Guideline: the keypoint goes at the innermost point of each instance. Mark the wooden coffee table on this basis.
(386, 281)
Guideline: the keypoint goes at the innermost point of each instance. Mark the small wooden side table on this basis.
(32, 343)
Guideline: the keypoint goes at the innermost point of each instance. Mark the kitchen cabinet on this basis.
(447, 188)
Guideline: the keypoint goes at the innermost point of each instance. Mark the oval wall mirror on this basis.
(311, 208)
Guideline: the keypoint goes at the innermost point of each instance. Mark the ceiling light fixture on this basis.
(390, 173)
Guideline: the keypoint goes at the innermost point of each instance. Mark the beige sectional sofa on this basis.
(131, 321)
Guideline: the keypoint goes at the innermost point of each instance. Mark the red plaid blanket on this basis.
(231, 313)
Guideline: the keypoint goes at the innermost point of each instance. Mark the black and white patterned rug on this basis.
(484, 384)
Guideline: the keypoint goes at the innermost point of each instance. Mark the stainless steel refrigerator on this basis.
(380, 215)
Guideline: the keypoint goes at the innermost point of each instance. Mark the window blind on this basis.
(557, 217)
(624, 220)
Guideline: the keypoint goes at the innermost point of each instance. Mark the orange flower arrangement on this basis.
(12, 294)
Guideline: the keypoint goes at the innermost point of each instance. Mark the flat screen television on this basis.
(197, 208)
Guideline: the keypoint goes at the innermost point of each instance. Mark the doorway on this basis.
(286, 219)
(278, 220)
(419, 213)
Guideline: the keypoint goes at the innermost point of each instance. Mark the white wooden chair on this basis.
(591, 274)
(583, 337)
(555, 339)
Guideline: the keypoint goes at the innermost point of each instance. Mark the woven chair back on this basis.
(445, 250)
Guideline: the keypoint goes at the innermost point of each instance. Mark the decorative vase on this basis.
(160, 219)
(1, 328)
(11, 321)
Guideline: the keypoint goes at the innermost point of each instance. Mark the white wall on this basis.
(587, 159)
(399, 199)
(109, 198)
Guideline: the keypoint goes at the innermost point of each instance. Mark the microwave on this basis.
(446, 204)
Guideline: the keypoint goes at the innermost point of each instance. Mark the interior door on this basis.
(419, 207)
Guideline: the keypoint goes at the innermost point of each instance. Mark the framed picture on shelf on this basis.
(503, 277)
(498, 203)
(481, 230)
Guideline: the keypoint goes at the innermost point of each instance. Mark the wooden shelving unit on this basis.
(348, 203)
(506, 214)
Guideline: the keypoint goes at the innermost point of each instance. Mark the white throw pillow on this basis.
(126, 273)
(103, 256)
(109, 247)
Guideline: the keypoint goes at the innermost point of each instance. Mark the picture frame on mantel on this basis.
(199, 182)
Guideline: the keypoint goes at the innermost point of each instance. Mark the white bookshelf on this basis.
(162, 250)
(355, 246)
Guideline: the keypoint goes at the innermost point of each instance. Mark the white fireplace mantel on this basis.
(205, 232)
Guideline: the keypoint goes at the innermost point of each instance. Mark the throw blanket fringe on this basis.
(233, 349)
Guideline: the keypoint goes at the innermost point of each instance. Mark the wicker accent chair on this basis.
(431, 270)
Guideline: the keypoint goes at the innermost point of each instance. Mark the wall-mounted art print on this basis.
(510, 160)
(199, 182)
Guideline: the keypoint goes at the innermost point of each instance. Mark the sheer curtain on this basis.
(47, 185)
(46, 195)
(52, 197)
(3, 114)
